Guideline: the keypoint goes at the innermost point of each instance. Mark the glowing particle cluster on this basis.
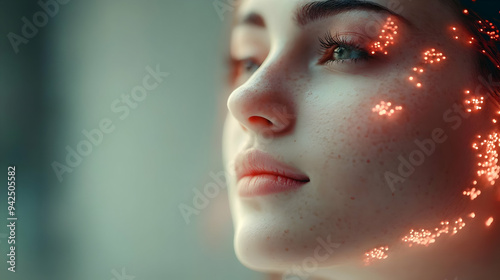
(484, 46)
(432, 56)
(429, 57)
(489, 29)
(387, 36)
(488, 155)
(385, 109)
(473, 193)
(473, 104)
(379, 253)
(489, 221)
(425, 237)
(457, 36)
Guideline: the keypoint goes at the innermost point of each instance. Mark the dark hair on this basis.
(477, 17)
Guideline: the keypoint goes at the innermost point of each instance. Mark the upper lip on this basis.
(254, 162)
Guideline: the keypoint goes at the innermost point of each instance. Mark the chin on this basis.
(279, 248)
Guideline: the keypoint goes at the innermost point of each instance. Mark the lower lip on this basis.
(260, 185)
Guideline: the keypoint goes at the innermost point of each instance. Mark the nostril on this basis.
(260, 122)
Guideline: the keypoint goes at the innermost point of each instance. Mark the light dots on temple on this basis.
(379, 253)
(386, 109)
(488, 28)
(489, 221)
(386, 38)
(472, 215)
(426, 237)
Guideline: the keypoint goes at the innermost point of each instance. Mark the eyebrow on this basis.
(321, 9)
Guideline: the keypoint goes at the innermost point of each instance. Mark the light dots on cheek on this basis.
(387, 37)
(386, 109)
(473, 103)
(379, 253)
(431, 56)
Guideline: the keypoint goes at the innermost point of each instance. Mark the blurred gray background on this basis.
(116, 214)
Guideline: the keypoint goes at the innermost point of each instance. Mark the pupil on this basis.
(342, 53)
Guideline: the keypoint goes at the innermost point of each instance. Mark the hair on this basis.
(473, 17)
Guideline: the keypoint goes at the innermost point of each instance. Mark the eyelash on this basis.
(329, 43)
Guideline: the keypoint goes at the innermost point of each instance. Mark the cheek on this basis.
(425, 144)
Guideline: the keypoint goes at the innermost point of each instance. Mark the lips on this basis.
(260, 174)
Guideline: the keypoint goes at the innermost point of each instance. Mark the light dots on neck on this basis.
(425, 237)
(488, 157)
(379, 253)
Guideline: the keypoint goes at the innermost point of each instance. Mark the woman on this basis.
(361, 140)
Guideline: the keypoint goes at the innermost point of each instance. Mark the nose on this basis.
(265, 104)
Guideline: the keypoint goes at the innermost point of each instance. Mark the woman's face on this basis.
(312, 156)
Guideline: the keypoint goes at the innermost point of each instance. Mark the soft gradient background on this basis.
(120, 207)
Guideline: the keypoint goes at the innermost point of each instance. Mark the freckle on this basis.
(381, 162)
(301, 217)
(339, 219)
(353, 198)
(305, 246)
(286, 249)
(268, 238)
(311, 229)
(339, 156)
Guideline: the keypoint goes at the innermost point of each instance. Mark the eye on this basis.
(246, 66)
(347, 53)
(341, 49)
(243, 69)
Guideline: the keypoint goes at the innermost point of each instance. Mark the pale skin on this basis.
(293, 102)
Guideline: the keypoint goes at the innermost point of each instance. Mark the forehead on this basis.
(426, 14)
